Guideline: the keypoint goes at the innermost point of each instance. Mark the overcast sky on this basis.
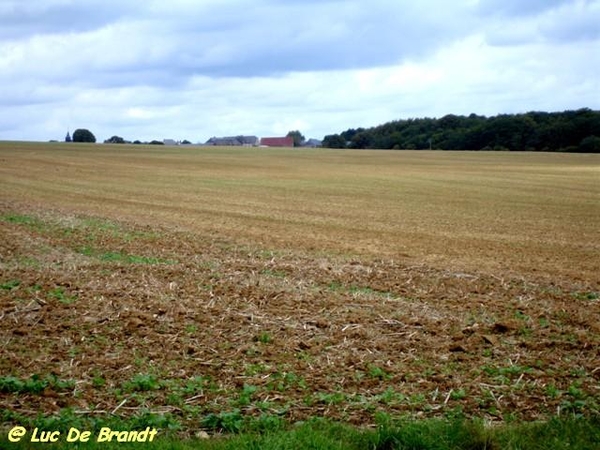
(193, 69)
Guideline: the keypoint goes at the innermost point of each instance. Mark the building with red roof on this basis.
(277, 141)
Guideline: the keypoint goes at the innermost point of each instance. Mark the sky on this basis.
(193, 69)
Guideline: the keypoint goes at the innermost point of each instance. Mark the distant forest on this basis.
(568, 131)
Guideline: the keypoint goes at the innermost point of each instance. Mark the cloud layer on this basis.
(187, 69)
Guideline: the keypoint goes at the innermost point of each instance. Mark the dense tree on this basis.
(350, 133)
(590, 144)
(334, 141)
(298, 138)
(83, 135)
(115, 140)
(155, 142)
(533, 131)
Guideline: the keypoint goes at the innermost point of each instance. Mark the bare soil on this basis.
(279, 330)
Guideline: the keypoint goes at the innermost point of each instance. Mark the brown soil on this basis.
(115, 300)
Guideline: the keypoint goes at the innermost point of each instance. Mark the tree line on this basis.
(568, 131)
(85, 135)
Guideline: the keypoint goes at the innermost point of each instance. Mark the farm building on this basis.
(245, 141)
(277, 141)
(312, 143)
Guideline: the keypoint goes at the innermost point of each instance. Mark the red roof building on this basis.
(277, 141)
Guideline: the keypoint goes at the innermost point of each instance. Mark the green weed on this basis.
(274, 273)
(245, 397)
(33, 385)
(458, 394)
(378, 372)
(142, 382)
(229, 422)
(586, 295)
(121, 257)
(59, 294)
(22, 219)
(191, 328)
(10, 285)
(263, 338)
(330, 398)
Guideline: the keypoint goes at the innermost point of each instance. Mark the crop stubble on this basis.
(442, 279)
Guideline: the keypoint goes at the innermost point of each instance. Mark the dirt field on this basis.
(298, 283)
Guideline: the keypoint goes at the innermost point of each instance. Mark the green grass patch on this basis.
(378, 372)
(274, 273)
(368, 291)
(58, 293)
(10, 285)
(88, 230)
(96, 227)
(121, 257)
(22, 219)
(269, 432)
(263, 337)
(586, 295)
(128, 259)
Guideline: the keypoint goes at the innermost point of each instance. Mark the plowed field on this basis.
(191, 281)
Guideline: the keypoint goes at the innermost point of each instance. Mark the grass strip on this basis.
(573, 433)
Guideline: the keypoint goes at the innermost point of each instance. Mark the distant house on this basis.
(170, 142)
(249, 141)
(277, 141)
(312, 143)
(245, 141)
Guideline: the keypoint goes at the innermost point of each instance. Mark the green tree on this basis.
(590, 144)
(334, 141)
(298, 138)
(363, 139)
(350, 133)
(83, 135)
(115, 140)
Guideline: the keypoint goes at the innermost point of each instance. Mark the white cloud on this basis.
(188, 69)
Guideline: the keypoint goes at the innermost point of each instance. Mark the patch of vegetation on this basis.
(121, 257)
(366, 290)
(22, 219)
(504, 375)
(502, 132)
(58, 293)
(378, 372)
(34, 385)
(129, 259)
(245, 397)
(269, 432)
(335, 286)
(10, 285)
(282, 381)
(330, 398)
(229, 421)
(191, 328)
(263, 337)
(274, 273)
(142, 382)
(98, 381)
(586, 295)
